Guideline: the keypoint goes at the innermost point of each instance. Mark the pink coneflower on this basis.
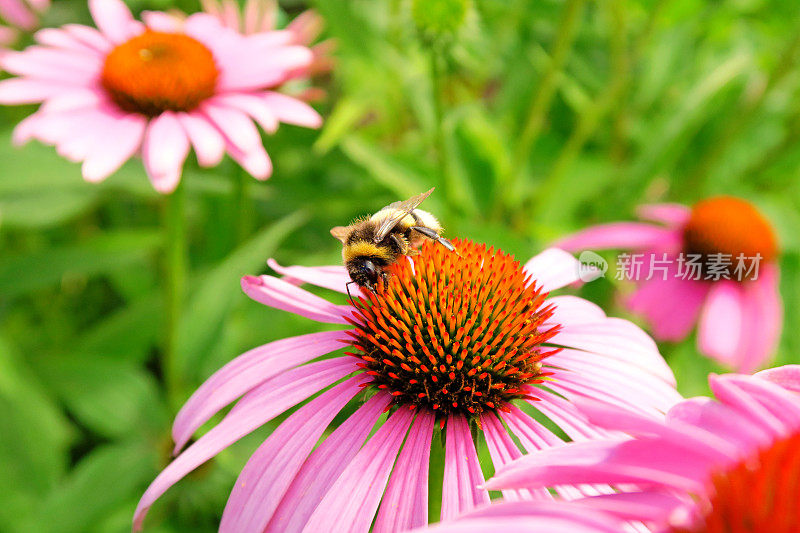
(19, 15)
(458, 341)
(729, 465)
(715, 261)
(155, 88)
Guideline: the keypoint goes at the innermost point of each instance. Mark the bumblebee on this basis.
(374, 243)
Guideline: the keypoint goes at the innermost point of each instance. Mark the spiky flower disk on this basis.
(454, 332)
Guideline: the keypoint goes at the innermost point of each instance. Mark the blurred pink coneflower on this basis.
(18, 15)
(156, 88)
(714, 263)
(728, 465)
(457, 341)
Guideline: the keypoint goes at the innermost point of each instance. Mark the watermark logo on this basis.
(591, 266)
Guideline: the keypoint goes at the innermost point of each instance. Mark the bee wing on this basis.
(341, 233)
(400, 210)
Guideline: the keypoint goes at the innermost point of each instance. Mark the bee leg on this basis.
(400, 242)
(431, 234)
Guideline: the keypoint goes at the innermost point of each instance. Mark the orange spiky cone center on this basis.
(454, 332)
(728, 226)
(156, 72)
(758, 495)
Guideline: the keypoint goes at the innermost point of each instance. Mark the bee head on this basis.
(365, 273)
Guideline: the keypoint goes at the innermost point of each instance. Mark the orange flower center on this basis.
(156, 72)
(758, 495)
(454, 333)
(730, 227)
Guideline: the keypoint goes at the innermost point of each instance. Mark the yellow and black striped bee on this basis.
(374, 243)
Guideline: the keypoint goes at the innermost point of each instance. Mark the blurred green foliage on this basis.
(534, 119)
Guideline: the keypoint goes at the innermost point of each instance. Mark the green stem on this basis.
(547, 87)
(175, 253)
(242, 207)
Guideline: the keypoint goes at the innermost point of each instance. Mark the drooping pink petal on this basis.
(246, 372)
(462, 487)
(721, 322)
(271, 469)
(671, 306)
(256, 162)
(324, 466)
(119, 144)
(114, 19)
(502, 450)
(350, 504)
(208, 142)
(673, 215)
(161, 21)
(762, 320)
(720, 420)
(282, 295)
(787, 376)
(621, 235)
(235, 126)
(89, 36)
(648, 507)
(766, 403)
(17, 14)
(330, 277)
(291, 110)
(255, 409)
(405, 504)
(573, 310)
(264, 68)
(164, 151)
(18, 91)
(252, 105)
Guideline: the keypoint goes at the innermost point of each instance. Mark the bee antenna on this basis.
(349, 296)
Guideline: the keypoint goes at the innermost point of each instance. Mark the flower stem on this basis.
(175, 252)
(243, 209)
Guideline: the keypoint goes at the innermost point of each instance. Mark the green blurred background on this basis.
(532, 119)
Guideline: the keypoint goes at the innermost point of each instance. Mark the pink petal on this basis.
(502, 450)
(256, 162)
(532, 435)
(649, 507)
(462, 472)
(405, 504)
(237, 128)
(616, 339)
(282, 295)
(246, 372)
(66, 68)
(720, 420)
(573, 310)
(264, 68)
(18, 91)
(766, 403)
(324, 466)
(672, 215)
(160, 21)
(208, 142)
(164, 151)
(254, 410)
(291, 110)
(787, 376)
(330, 277)
(271, 469)
(621, 235)
(114, 19)
(17, 14)
(117, 146)
(553, 269)
(254, 106)
(566, 416)
(721, 322)
(763, 320)
(350, 504)
(671, 306)
(89, 36)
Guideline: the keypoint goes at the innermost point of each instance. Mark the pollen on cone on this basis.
(454, 332)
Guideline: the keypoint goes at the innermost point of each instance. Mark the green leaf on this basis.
(108, 477)
(26, 272)
(213, 296)
(111, 397)
(34, 437)
(392, 174)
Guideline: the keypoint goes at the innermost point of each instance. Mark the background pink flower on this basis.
(19, 15)
(156, 89)
(725, 465)
(739, 321)
(454, 340)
